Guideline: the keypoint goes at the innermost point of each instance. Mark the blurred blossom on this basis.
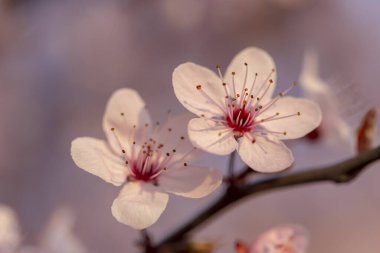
(57, 238)
(9, 230)
(236, 112)
(333, 129)
(152, 160)
(284, 239)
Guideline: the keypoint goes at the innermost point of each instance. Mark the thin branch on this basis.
(339, 173)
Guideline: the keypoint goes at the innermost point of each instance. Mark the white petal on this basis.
(259, 62)
(125, 109)
(204, 134)
(95, 157)
(186, 77)
(173, 135)
(139, 205)
(191, 182)
(296, 126)
(265, 154)
(10, 236)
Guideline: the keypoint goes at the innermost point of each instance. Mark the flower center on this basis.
(145, 168)
(240, 120)
(147, 158)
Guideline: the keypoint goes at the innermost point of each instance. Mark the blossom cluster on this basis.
(237, 111)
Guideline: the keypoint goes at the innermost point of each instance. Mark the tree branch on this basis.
(339, 173)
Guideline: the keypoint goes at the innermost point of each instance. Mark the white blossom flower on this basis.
(153, 160)
(333, 129)
(58, 236)
(237, 112)
(284, 239)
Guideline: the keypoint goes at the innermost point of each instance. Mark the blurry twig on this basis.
(339, 173)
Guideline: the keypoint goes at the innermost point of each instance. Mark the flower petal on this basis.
(205, 134)
(292, 237)
(296, 126)
(95, 157)
(139, 205)
(125, 109)
(191, 182)
(265, 154)
(207, 100)
(258, 61)
(173, 135)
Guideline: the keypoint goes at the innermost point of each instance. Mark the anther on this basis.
(285, 133)
(199, 87)
(233, 73)
(277, 113)
(169, 129)
(185, 164)
(146, 125)
(256, 74)
(218, 66)
(126, 162)
(270, 81)
(253, 141)
(246, 64)
(182, 137)
(112, 129)
(174, 150)
(299, 113)
(167, 154)
(281, 94)
(123, 151)
(224, 84)
(157, 123)
(122, 113)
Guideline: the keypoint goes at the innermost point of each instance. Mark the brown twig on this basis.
(339, 173)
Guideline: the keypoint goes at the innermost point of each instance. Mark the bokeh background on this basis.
(61, 60)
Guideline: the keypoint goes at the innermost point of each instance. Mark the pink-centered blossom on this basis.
(237, 111)
(283, 239)
(150, 159)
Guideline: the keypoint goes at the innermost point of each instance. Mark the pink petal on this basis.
(139, 205)
(264, 154)
(173, 135)
(125, 109)
(205, 101)
(206, 135)
(191, 182)
(95, 157)
(259, 62)
(295, 126)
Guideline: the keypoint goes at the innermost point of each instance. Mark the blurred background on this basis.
(61, 60)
